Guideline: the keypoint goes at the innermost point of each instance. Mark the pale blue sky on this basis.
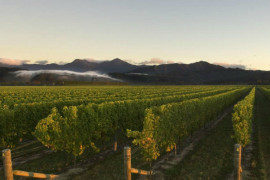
(224, 31)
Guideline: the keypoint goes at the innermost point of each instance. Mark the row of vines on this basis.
(166, 125)
(242, 119)
(76, 128)
(111, 114)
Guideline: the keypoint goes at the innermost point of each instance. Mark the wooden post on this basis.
(7, 163)
(127, 163)
(115, 146)
(175, 149)
(115, 142)
(237, 162)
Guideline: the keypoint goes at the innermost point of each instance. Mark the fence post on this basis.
(237, 162)
(7, 163)
(127, 163)
(115, 142)
(115, 146)
(175, 149)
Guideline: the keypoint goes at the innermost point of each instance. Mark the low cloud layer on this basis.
(226, 65)
(30, 74)
(157, 61)
(13, 62)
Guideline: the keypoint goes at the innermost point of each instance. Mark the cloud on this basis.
(93, 60)
(157, 61)
(14, 62)
(170, 62)
(42, 62)
(253, 69)
(61, 62)
(30, 74)
(25, 61)
(90, 59)
(153, 61)
(130, 61)
(227, 65)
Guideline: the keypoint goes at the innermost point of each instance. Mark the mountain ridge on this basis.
(168, 74)
(81, 65)
(195, 73)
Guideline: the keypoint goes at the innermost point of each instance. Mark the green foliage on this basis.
(166, 125)
(102, 111)
(62, 132)
(146, 137)
(8, 135)
(242, 119)
(31, 104)
(99, 122)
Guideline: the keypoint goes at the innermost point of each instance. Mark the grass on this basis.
(112, 168)
(48, 164)
(212, 158)
(55, 162)
(262, 137)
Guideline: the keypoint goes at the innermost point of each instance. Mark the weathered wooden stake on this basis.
(175, 149)
(237, 162)
(115, 146)
(127, 163)
(115, 142)
(7, 162)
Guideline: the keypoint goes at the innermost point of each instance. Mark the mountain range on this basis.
(81, 65)
(195, 73)
(119, 70)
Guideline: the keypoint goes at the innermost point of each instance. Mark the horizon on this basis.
(223, 32)
(145, 63)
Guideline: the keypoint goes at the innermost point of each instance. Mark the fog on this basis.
(89, 74)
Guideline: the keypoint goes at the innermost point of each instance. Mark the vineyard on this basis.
(80, 132)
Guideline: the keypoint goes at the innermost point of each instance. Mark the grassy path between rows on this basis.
(112, 168)
(212, 158)
(262, 136)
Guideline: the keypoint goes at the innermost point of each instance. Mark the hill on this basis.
(82, 65)
(4, 71)
(121, 71)
(195, 73)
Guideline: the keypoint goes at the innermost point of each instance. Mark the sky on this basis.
(218, 31)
